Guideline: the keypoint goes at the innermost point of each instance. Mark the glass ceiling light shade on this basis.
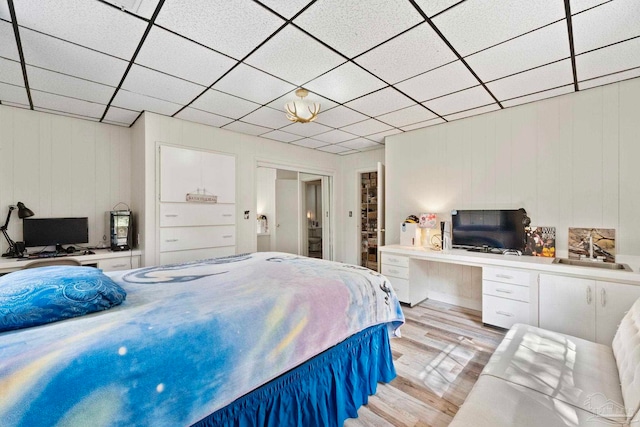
(301, 111)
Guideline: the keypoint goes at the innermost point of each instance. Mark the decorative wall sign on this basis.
(601, 240)
(202, 198)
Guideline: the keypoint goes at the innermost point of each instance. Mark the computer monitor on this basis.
(55, 231)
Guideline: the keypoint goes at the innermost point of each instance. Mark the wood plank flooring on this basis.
(438, 359)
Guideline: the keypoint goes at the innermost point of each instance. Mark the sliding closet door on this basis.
(286, 232)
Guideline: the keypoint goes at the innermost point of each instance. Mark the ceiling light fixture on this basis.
(297, 110)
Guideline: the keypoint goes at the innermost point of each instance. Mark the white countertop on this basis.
(100, 254)
(541, 264)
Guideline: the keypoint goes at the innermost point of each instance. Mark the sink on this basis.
(593, 264)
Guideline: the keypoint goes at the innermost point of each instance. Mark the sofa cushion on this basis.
(626, 348)
(572, 370)
(494, 402)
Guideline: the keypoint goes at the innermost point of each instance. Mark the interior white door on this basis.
(614, 300)
(380, 230)
(219, 176)
(180, 173)
(327, 220)
(286, 231)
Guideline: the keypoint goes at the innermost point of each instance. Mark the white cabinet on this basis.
(584, 308)
(506, 297)
(396, 269)
(120, 263)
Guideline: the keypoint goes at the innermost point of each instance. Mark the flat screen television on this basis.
(54, 231)
(493, 229)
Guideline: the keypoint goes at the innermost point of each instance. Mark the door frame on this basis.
(358, 197)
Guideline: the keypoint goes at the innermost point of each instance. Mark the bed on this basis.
(255, 339)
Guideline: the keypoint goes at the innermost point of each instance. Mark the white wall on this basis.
(570, 161)
(62, 166)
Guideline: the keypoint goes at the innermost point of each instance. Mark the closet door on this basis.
(219, 176)
(180, 173)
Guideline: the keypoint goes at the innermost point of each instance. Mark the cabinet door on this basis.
(568, 305)
(219, 176)
(613, 301)
(180, 173)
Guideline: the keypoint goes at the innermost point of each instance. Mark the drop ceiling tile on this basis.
(62, 113)
(61, 84)
(325, 104)
(359, 144)
(285, 8)
(407, 116)
(367, 127)
(612, 59)
(379, 137)
(408, 55)
(306, 129)
(223, 104)
(345, 83)
(472, 112)
(610, 23)
(537, 48)
(15, 94)
(310, 143)
(50, 101)
(441, 81)
(278, 135)
(8, 47)
(294, 56)
(432, 7)
(120, 115)
(424, 124)
(537, 96)
(4, 11)
(11, 72)
(476, 24)
(339, 116)
(56, 55)
(172, 54)
(247, 128)
(203, 117)
(267, 117)
(231, 27)
(580, 5)
(334, 149)
(137, 102)
(610, 79)
(460, 101)
(538, 79)
(380, 102)
(158, 85)
(144, 8)
(253, 85)
(91, 24)
(334, 136)
(355, 26)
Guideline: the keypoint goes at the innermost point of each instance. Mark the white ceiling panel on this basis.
(158, 85)
(175, 55)
(253, 85)
(580, 5)
(630, 74)
(441, 81)
(120, 115)
(233, 27)
(432, 7)
(424, 124)
(334, 149)
(247, 128)
(11, 93)
(4, 11)
(53, 54)
(460, 101)
(222, 104)
(380, 102)
(50, 101)
(334, 136)
(278, 135)
(408, 55)
(339, 116)
(407, 116)
(537, 48)
(61, 84)
(8, 47)
(306, 129)
(294, 56)
(90, 24)
(351, 27)
(267, 117)
(367, 127)
(137, 102)
(360, 144)
(538, 96)
(538, 79)
(379, 137)
(285, 8)
(610, 23)
(203, 117)
(144, 8)
(11, 72)
(478, 24)
(473, 112)
(612, 59)
(309, 143)
(345, 83)
(325, 104)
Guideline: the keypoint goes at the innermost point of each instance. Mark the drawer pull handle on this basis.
(118, 265)
(391, 270)
(226, 214)
(504, 313)
(171, 215)
(393, 259)
(589, 295)
(226, 236)
(504, 291)
(504, 276)
(603, 297)
(171, 240)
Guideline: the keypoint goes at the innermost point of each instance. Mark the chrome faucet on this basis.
(590, 245)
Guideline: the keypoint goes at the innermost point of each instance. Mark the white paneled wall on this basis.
(570, 161)
(61, 166)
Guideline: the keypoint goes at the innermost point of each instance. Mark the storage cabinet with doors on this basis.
(396, 269)
(584, 308)
(506, 297)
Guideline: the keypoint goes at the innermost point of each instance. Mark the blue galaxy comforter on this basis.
(188, 340)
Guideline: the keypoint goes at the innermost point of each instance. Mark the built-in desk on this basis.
(103, 259)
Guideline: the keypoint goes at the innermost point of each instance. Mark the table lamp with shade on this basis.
(23, 212)
(428, 222)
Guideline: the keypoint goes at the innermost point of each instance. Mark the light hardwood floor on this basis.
(438, 359)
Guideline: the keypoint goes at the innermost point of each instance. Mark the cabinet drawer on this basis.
(505, 290)
(182, 238)
(401, 286)
(122, 263)
(503, 275)
(393, 271)
(397, 260)
(504, 312)
(195, 255)
(187, 214)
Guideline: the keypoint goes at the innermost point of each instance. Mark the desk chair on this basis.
(55, 261)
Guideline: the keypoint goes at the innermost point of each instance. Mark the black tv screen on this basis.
(54, 231)
(503, 229)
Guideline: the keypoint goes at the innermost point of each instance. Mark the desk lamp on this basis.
(23, 212)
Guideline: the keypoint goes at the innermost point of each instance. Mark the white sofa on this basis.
(541, 378)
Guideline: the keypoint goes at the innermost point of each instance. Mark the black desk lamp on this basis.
(23, 212)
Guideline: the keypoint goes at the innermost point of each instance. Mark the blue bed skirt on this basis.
(323, 391)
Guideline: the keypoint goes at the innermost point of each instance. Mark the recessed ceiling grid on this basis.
(377, 67)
